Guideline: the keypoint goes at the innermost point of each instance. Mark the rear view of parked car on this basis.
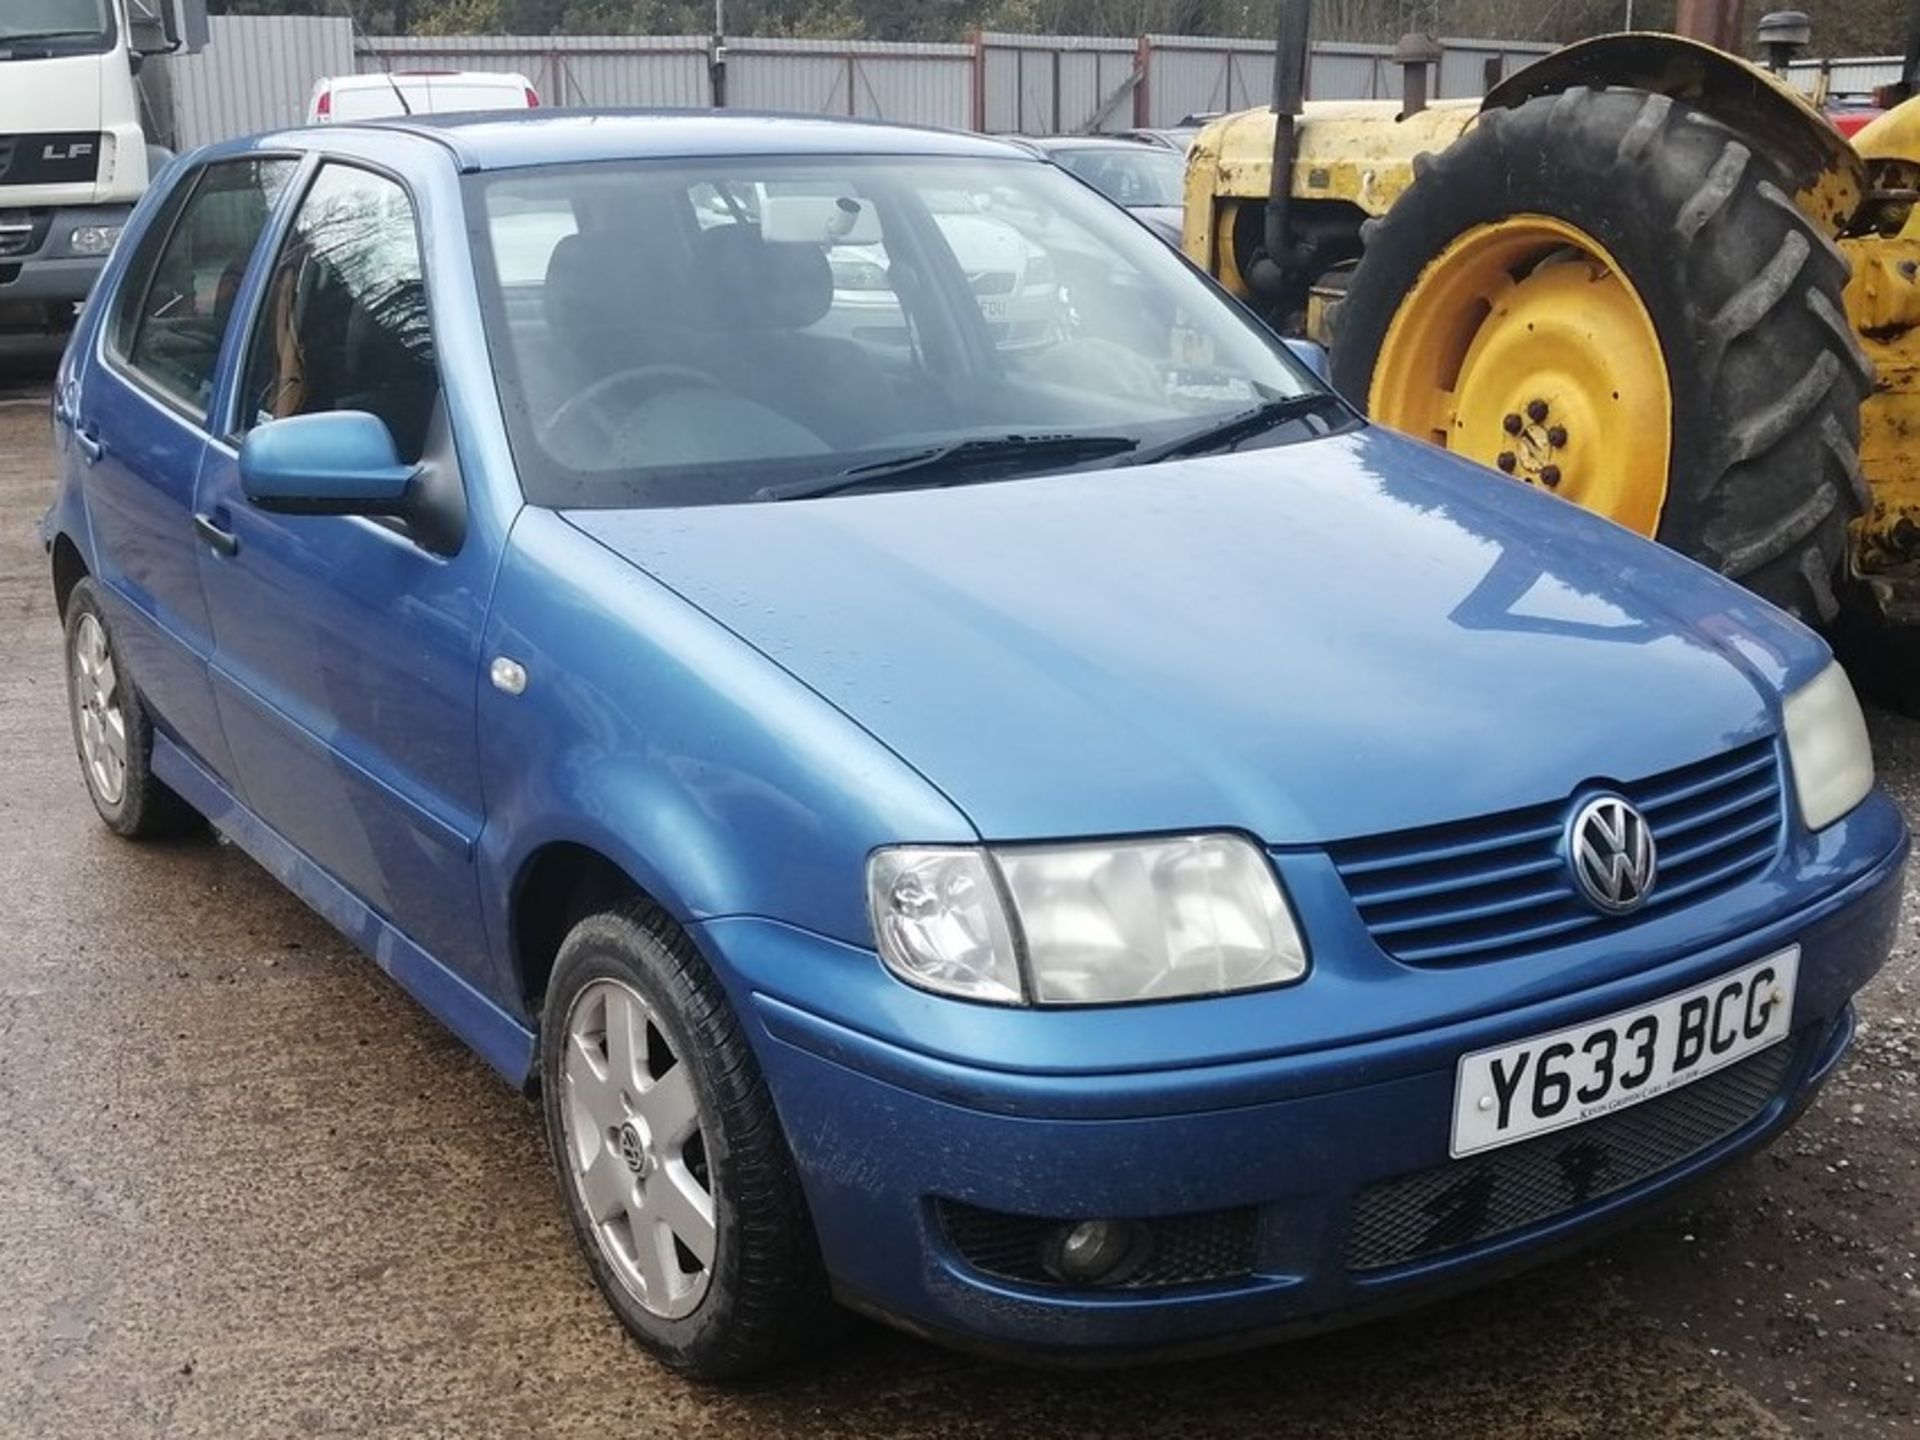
(338, 99)
(1071, 843)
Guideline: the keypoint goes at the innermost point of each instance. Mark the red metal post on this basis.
(1718, 22)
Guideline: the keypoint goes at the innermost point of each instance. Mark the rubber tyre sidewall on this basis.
(146, 808)
(746, 1322)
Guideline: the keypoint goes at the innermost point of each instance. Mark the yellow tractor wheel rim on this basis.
(1525, 347)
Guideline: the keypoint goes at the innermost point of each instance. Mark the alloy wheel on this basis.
(102, 720)
(636, 1149)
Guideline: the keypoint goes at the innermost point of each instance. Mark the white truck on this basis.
(75, 152)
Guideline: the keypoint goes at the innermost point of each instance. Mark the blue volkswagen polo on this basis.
(970, 785)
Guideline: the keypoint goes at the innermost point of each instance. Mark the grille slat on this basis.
(1399, 893)
(1467, 913)
(1496, 885)
(1466, 1202)
(1395, 859)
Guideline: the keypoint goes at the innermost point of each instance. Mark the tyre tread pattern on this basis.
(1745, 290)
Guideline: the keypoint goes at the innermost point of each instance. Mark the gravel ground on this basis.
(250, 1189)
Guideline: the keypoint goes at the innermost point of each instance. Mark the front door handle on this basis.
(222, 542)
(91, 447)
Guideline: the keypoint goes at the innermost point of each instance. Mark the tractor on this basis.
(1640, 273)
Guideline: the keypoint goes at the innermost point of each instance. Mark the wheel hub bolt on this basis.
(1507, 461)
(1557, 436)
(1512, 424)
(1550, 475)
(1536, 410)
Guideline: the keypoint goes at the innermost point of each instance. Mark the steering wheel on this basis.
(589, 405)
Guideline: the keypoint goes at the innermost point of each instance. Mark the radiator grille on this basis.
(1498, 885)
(1468, 1201)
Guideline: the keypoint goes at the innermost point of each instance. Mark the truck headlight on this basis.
(1085, 924)
(93, 239)
(1827, 747)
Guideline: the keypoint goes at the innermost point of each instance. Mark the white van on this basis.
(417, 92)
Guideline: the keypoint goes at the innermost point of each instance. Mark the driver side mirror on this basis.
(341, 462)
(168, 27)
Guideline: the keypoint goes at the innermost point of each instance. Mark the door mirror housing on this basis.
(341, 462)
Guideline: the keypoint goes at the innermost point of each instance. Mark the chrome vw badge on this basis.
(1610, 850)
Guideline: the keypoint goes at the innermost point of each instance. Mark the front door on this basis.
(140, 433)
(348, 649)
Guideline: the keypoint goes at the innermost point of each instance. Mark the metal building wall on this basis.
(255, 74)
(258, 73)
(913, 84)
(602, 70)
(1190, 75)
(1052, 84)
(1463, 64)
(1856, 77)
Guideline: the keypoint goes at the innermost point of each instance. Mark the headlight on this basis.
(1085, 924)
(1828, 748)
(93, 239)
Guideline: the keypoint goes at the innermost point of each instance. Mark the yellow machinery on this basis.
(1641, 273)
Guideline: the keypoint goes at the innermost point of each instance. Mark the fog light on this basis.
(1097, 1252)
(93, 239)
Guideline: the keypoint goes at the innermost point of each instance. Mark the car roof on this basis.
(491, 140)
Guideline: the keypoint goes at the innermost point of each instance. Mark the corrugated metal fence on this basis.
(255, 75)
(1857, 77)
(259, 71)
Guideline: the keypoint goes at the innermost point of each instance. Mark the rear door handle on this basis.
(91, 446)
(221, 542)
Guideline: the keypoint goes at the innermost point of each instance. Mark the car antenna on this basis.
(399, 94)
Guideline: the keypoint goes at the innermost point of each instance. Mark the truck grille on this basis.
(22, 232)
(1498, 885)
(1468, 1201)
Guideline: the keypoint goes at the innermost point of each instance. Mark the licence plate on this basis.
(1552, 1081)
(994, 308)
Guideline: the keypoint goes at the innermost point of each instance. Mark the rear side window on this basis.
(181, 284)
(344, 325)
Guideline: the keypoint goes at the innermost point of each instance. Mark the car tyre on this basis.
(112, 731)
(670, 1159)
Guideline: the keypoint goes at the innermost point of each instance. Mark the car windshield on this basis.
(709, 331)
(71, 24)
(1129, 175)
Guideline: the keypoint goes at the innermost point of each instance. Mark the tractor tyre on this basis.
(1698, 339)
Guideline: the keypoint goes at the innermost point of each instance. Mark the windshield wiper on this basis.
(946, 463)
(34, 37)
(1244, 425)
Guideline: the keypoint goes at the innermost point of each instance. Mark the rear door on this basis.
(140, 431)
(348, 649)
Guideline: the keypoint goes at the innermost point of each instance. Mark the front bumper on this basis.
(51, 274)
(892, 1145)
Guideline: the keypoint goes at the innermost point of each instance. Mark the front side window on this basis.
(181, 283)
(695, 332)
(343, 325)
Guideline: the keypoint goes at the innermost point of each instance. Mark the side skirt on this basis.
(496, 1036)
